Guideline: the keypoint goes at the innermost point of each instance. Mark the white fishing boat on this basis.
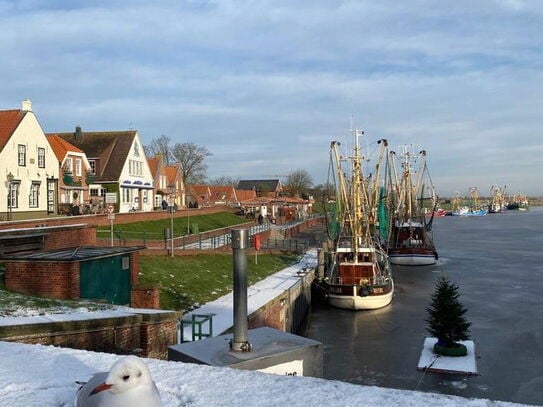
(357, 274)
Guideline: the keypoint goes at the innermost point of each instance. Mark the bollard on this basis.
(240, 242)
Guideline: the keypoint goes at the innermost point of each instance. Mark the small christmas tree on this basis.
(446, 319)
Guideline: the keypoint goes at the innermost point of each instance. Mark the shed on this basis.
(97, 273)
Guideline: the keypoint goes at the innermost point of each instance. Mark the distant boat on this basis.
(519, 202)
(438, 212)
(472, 209)
(357, 274)
(499, 200)
(410, 241)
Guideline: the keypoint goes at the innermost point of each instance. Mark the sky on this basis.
(265, 86)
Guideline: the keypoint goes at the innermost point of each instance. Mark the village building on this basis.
(262, 187)
(122, 173)
(28, 166)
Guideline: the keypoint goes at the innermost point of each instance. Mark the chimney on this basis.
(26, 105)
(78, 133)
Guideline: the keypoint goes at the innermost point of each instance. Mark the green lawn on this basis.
(186, 282)
(154, 230)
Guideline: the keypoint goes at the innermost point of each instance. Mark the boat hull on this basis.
(412, 259)
(347, 297)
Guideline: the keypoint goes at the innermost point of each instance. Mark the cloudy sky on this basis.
(266, 85)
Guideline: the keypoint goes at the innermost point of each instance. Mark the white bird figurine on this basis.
(128, 383)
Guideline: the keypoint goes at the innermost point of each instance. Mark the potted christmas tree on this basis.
(446, 320)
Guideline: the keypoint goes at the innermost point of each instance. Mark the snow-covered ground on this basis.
(34, 375)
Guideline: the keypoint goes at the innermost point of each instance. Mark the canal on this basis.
(497, 263)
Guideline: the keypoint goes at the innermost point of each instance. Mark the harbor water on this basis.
(497, 262)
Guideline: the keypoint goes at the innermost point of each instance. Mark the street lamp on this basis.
(10, 178)
(171, 207)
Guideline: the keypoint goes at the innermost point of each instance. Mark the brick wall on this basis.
(47, 279)
(102, 220)
(145, 296)
(145, 334)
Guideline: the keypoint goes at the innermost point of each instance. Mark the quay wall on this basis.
(286, 312)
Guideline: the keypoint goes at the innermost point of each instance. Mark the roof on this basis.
(9, 120)
(72, 254)
(270, 185)
(223, 192)
(171, 173)
(153, 165)
(110, 147)
(61, 147)
(244, 195)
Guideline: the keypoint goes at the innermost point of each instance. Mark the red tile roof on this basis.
(9, 120)
(61, 147)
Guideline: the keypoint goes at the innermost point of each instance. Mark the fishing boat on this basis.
(519, 202)
(498, 203)
(412, 194)
(357, 274)
(473, 208)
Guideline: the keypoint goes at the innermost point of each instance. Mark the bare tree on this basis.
(191, 157)
(298, 182)
(224, 180)
(160, 145)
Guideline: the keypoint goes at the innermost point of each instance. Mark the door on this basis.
(106, 279)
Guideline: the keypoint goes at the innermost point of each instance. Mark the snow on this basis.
(36, 375)
(429, 361)
(257, 295)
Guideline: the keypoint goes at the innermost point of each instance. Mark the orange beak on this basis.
(100, 387)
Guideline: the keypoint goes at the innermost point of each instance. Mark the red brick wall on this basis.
(149, 334)
(51, 279)
(145, 297)
(102, 220)
(70, 237)
(273, 314)
(155, 339)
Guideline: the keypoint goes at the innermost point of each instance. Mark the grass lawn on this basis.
(187, 282)
(154, 230)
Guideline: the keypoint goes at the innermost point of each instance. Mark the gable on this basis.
(9, 120)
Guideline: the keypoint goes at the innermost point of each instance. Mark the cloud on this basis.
(268, 84)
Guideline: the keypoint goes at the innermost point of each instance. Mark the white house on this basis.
(28, 166)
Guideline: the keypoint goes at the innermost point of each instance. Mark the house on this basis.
(28, 166)
(168, 182)
(160, 180)
(198, 196)
(262, 187)
(223, 195)
(176, 184)
(76, 175)
(122, 173)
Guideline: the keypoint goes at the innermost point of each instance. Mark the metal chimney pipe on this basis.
(240, 242)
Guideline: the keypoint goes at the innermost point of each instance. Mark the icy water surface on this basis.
(497, 262)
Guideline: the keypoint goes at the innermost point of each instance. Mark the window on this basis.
(78, 167)
(92, 166)
(97, 192)
(13, 195)
(68, 164)
(33, 199)
(136, 150)
(21, 153)
(41, 157)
